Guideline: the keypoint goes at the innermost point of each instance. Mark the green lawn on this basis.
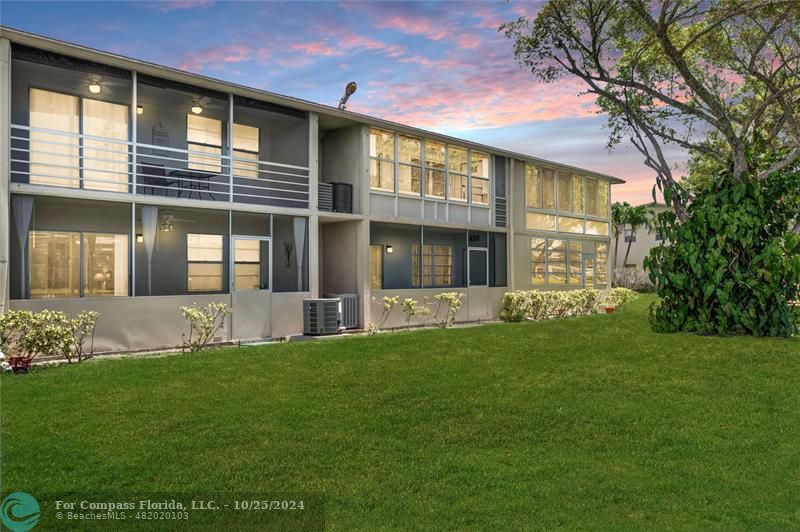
(584, 423)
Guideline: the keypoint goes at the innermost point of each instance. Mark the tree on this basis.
(636, 218)
(711, 76)
(619, 212)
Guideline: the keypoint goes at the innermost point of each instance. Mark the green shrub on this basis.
(619, 297)
(450, 302)
(388, 303)
(734, 265)
(414, 309)
(542, 305)
(204, 322)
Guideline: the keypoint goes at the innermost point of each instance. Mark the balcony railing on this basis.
(65, 159)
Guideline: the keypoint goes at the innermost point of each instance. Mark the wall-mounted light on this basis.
(94, 86)
(389, 249)
(139, 110)
(139, 239)
(196, 107)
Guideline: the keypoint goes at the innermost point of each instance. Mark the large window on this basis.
(556, 262)
(597, 197)
(409, 156)
(540, 222)
(204, 258)
(570, 193)
(533, 187)
(376, 267)
(381, 160)
(548, 189)
(437, 265)
(250, 264)
(457, 164)
(55, 264)
(245, 149)
(601, 250)
(480, 177)
(204, 135)
(434, 169)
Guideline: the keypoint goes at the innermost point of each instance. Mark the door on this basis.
(588, 271)
(251, 279)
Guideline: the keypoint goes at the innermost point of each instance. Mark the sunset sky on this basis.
(439, 66)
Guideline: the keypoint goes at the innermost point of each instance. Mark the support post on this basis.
(5, 171)
(313, 219)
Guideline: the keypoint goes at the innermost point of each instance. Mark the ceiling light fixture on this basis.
(94, 86)
(196, 107)
(389, 249)
(139, 110)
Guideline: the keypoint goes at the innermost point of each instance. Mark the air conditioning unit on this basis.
(321, 316)
(348, 310)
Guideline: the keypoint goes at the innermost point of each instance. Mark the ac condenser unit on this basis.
(320, 316)
(348, 310)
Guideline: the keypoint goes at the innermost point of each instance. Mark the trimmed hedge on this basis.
(541, 305)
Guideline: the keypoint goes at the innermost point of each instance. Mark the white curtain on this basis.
(299, 248)
(149, 224)
(23, 210)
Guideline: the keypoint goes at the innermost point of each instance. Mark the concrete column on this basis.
(511, 208)
(313, 220)
(5, 169)
(363, 273)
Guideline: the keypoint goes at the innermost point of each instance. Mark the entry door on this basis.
(588, 271)
(478, 267)
(251, 277)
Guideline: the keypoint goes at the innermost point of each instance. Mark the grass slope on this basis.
(589, 422)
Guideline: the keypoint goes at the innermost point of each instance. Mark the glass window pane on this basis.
(203, 163)
(105, 264)
(457, 159)
(480, 164)
(434, 154)
(434, 183)
(567, 224)
(564, 192)
(591, 197)
(204, 277)
(596, 228)
(245, 138)
(246, 168)
(409, 179)
(443, 261)
(537, 249)
(577, 195)
(602, 199)
(206, 248)
(381, 175)
(54, 264)
(409, 150)
(533, 187)
(247, 276)
(51, 110)
(458, 187)
(105, 163)
(381, 143)
(548, 189)
(480, 191)
(246, 250)
(203, 130)
(541, 222)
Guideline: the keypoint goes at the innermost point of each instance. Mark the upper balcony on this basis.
(84, 125)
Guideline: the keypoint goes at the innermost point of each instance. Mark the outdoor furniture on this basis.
(153, 177)
(193, 182)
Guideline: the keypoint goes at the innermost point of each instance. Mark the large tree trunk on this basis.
(628, 251)
(616, 250)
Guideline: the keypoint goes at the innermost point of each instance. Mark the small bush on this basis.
(632, 279)
(451, 303)
(388, 304)
(619, 297)
(542, 305)
(204, 323)
(414, 309)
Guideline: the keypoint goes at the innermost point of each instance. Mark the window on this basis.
(105, 264)
(105, 163)
(54, 157)
(597, 197)
(564, 192)
(596, 228)
(479, 163)
(55, 264)
(437, 265)
(533, 187)
(248, 256)
(602, 198)
(204, 135)
(548, 189)
(556, 262)
(409, 169)
(568, 224)
(601, 250)
(204, 256)
(245, 146)
(457, 166)
(434, 169)
(375, 267)
(540, 222)
(381, 162)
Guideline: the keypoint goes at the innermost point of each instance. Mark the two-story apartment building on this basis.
(133, 189)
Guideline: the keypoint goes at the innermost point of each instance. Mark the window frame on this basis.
(221, 262)
(244, 161)
(573, 254)
(210, 167)
(419, 253)
(234, 262)
(379, 160)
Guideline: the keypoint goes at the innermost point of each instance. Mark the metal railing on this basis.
(66, 159)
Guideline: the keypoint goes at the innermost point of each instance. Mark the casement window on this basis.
(56, 258)
(435, 170)
(376, 267)
(246, 151)
(204, 135)
(409, 169)
(204, 262)
(479, 163)
(556, 262)
(601, 267)
(435, 264)
(381, 159)
(457, 165)
(55, 157)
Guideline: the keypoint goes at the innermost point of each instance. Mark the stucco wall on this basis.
(479, 303)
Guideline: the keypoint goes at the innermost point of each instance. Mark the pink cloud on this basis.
(468, 40)
(315, 48)
(175, 5)
(216, 57)
(414, 25)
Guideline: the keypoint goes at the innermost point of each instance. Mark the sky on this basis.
(439, 66)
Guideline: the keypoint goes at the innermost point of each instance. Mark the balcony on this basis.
(81, 125)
